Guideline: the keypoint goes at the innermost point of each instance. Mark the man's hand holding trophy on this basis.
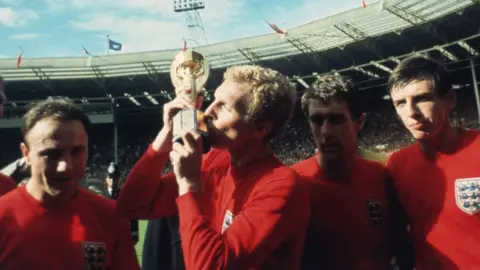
(189, 73)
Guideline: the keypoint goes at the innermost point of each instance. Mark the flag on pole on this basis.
(275, 28)
(19, 58)
(114, 45)
(89, 58)
(86, 51)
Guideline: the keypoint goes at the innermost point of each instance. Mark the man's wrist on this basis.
(163, 141)
(188, 187)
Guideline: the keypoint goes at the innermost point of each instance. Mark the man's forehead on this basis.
(317, 107)
(232, 93)
(411, 89)
(51, 133)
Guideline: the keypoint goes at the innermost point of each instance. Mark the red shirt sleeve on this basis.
(6, 184)
(272, 214)
(147, 194)
(124, 256)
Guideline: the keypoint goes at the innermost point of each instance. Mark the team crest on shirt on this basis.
(374, 212)
(227, 220)
(467, 195)
(94, 254)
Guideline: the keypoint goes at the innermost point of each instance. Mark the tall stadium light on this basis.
(193, 19)
(188, 5)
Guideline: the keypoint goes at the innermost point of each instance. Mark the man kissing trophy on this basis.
(189, 72)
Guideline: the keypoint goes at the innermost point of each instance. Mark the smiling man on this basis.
(52, 223)
(438, 177)
(239, 207)
(6, 183)
(355, 222)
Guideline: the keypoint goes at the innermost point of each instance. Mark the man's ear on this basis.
(25, 152)
(360, 122)
(450, 99)
(263, 129)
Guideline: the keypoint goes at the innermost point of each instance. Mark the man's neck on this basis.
(37, 191)
(247, 155)
(338, 169)
(444, 138)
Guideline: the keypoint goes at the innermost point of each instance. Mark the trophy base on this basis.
(190, 119)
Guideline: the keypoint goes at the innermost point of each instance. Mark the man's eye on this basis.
(52, 154)
(336, 119)
(318, 120)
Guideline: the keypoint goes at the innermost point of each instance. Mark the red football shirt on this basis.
(252, 217)
(348, 221)
(441, 196)
(86, 234)
(6, 184)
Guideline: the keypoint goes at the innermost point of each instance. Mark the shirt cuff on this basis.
(189, 207)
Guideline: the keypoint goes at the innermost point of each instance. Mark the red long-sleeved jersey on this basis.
(441, 196)
(6, 184)
(252, 217)
(349, 220)
(86, 234)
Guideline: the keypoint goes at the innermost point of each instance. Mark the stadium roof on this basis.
(364, 44)
(380, 18)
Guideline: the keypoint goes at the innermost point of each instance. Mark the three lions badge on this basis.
(227, 220)
(374, 212)
(94, 254)
(467, 195)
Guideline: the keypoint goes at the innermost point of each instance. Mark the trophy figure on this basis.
(189, 70)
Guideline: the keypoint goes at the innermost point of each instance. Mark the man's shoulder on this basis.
(6, 184)
(215, 158)
(306, 166)
(97, 201)
(10, 201)
(369, 164)
(402, 155)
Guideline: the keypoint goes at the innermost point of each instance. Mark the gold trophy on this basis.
(190, 70)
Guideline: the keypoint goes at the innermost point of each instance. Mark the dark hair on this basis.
(60, 109)
(330, 88)
(420, 68)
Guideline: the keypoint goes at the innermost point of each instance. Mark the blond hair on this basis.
(271, 95)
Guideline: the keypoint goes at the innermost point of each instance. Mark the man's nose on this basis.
(65, 165)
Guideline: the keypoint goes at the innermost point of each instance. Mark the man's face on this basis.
(226, 117)
(57, 153)
(421, 110)
(109, 181)
(333, 129)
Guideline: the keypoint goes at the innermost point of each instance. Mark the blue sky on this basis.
(59, 28)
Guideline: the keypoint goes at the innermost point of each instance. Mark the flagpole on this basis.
(107, 47)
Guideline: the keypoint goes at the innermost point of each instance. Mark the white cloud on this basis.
(56, 5)
(11, 3)
(14, 18)
(144, 31)
(25, 36)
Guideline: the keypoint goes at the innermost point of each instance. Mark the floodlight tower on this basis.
(193, 20)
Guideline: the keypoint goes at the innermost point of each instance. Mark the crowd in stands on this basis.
(383, 133)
